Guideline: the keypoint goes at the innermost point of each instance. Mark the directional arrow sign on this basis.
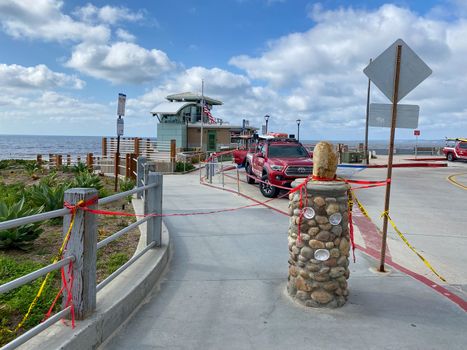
(381, 114)
(412, 70)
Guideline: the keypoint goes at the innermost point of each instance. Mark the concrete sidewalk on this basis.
(225, 288)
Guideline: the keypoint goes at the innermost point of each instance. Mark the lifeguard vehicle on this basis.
(456, 148)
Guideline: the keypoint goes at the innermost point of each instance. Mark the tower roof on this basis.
(192, 97)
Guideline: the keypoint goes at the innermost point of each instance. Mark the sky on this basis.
(63, 63)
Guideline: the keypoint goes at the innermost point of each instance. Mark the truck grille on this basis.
(298, 170)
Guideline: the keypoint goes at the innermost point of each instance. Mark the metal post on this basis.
(238, 181)
(416, 146)
(391, 152)
(222, 171)
(202, 115)
(153, 205)
(366, 155)
(117, 163)
(140, 174)
(83, 246)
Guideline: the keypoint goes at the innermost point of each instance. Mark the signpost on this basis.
(396, 72)
(416, 133)
(120, 113)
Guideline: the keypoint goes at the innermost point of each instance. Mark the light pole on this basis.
(266, 117)
(298, 129)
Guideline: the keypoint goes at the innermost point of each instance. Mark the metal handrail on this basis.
(121, 195)
(116, 235)
(20, 281)
(71, 258)
(33, 218)
(23, 338)
(123, 267)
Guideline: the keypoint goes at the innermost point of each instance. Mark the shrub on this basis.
(11, 194)
(87, 180)
(80, 168)
(32, 168)
(126, 185)
(50, 197)
(182, 166)
(19, 237)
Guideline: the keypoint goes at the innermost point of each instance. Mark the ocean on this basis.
(29, 146)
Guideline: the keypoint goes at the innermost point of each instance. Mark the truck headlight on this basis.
(277, 167)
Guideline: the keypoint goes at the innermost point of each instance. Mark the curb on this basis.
(115, 303)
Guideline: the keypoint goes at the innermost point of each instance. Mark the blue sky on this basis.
(63, 63)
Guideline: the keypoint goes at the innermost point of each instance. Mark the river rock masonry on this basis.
(319, 255)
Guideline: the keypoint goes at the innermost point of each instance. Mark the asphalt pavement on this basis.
(226, 281)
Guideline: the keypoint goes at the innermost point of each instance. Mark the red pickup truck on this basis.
(277, 162)
(456, 150)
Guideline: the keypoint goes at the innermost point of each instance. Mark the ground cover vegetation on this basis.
(27, 188)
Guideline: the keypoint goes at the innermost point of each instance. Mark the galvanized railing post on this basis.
(140, 174)
(82, 245)
(153, 204)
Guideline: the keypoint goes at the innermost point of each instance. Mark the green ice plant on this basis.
(126, 185)
(87, 180)
(80, 168)
(20, 237)
(50, 197)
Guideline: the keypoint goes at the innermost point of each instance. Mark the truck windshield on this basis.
(292, 151)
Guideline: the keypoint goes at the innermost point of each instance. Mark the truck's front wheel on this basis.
(267, 189)
(451, 157)
(249, 174)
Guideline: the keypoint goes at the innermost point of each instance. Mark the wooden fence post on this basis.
(136, 146)
(173, 153)
(153, 204)
(39, 159)
(148, 146)
(68, 159)
(133, 158)
(83, 246)
(78, 159)
(89, 161)
(104, 147)
(127, 165)
(58, 161)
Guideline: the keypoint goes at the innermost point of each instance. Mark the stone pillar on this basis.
(319, 254)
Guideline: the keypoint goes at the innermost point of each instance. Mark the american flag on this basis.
(206, 111)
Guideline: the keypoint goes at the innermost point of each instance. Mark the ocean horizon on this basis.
(29, 146)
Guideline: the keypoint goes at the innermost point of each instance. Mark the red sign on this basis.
(416, 133)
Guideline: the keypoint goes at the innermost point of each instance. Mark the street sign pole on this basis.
(120, 113)
(390, 158)
(367, 158)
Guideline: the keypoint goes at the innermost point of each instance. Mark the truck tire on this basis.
(450, 157)
(266, 189)
(249, 174)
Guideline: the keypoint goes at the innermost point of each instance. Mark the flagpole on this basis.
(202, 114)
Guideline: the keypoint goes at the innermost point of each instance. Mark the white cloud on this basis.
(120, 62)
(319, 72)
(38, 77)
(43, 19)
(124, 35)
(107, 14)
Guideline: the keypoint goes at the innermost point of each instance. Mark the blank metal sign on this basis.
(381, 115)
(412, 72)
